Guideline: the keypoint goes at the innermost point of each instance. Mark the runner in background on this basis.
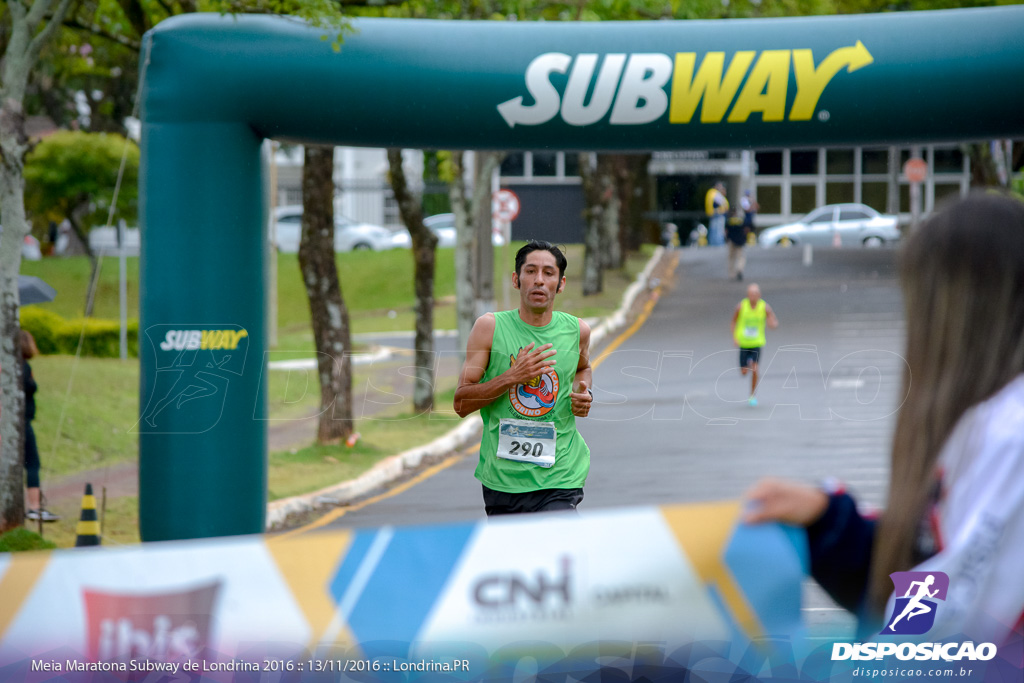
(749, 319)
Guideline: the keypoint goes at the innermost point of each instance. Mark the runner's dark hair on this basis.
(541, 245)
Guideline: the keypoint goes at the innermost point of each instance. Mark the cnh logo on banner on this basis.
(916, 606)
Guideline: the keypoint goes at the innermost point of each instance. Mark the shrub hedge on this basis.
(100, 338)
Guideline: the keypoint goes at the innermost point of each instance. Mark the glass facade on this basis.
(789, 183)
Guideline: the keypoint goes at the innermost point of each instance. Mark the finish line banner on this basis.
(631, 594)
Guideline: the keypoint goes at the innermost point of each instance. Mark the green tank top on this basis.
(543, 400)
(750, 323)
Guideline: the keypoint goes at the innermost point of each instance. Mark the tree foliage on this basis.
(72, 174)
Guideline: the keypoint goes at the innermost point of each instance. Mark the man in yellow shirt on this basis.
(749, 320)
(716, 206)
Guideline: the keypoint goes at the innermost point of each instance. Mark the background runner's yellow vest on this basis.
(749, 331)
(545, 401)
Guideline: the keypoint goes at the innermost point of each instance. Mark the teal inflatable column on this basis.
(202, 438)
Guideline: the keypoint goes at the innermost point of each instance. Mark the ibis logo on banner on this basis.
(631, 88)
(164, 626)
(915, 608)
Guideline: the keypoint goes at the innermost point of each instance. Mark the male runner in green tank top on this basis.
(528, 373)
(748, 332)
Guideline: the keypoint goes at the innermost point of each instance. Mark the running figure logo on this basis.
(194, 368)
(536, 397)
(916, 593)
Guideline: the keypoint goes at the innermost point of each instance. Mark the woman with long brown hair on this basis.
(956, 492)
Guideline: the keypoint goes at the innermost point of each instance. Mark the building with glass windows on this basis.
(787, 183)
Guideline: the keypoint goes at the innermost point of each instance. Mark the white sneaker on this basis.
(43, 514)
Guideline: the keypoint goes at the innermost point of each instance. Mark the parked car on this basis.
(349, 235)
(849, 223)
(103, 240)
(442, 225)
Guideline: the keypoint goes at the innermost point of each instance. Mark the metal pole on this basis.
(272, 276)
(915, 193)
(506, 280)
(123, 288)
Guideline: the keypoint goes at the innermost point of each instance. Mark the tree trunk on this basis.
(424, 246)
(24, 42)
(611, 250)
(485, 165)
(598, 191)
(12, 409)
(633, 187)
(74, 218)
(474, 280)
(984, 170)
(326, 305)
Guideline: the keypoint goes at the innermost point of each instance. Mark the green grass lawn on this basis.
(95, 401)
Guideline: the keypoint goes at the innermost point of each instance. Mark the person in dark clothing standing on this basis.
(33, 497)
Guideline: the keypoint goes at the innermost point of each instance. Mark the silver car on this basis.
(845, 224)
(349, 235)
(443, 225)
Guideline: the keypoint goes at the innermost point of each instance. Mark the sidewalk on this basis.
(65, 493)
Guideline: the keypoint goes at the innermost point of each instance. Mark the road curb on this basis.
(382, 473)
(469, 429)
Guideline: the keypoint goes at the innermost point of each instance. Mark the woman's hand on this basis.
(775, 500)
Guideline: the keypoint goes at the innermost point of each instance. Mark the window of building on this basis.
(875, 195)
(514, 164)
(769, 197)
(905, 198)
(572, 164)
(876, 161)
(545, 164)
(949, 161)
(803, 198)
(803, 162)
(839, 161)
(392, 216)
(768, 163)
(838, 193)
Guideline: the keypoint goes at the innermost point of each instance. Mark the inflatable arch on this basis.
(215, 87)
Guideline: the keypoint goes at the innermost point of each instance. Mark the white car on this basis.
(104, 240)
(349, 235)
(849, 224)
(442, 225)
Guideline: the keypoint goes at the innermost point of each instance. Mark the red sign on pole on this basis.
(916, 170)
(504, 206)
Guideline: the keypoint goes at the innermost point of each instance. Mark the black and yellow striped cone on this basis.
(88, 530)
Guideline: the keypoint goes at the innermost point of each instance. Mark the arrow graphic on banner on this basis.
(811, 82)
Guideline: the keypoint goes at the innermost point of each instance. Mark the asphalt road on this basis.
(671, 423)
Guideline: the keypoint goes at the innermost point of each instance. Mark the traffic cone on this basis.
(88, 529)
